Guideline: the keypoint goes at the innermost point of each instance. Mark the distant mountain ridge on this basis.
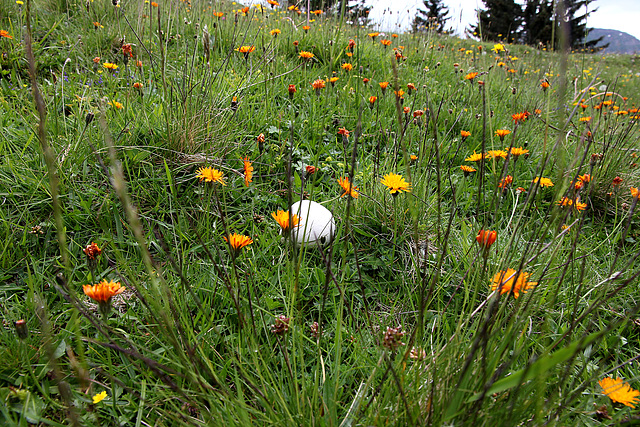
(619, 42)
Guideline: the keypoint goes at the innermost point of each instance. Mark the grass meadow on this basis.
(484, 265)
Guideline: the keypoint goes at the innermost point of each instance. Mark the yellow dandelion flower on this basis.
(209, 174)
(619, 391)
(395, 183)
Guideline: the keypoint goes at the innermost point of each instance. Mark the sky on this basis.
(621, 15)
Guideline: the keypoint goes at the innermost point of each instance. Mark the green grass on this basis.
(195, 338)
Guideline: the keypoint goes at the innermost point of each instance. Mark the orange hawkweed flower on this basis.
(218, 14)
(635, 193)
(520, 117)
(385, 42)
(518, 151)
(383, 86)
(306, 28)
(273, 3)
(103, 292)
(543, 182)
(348, 187)
(282, 218)
(306, 55)
(347, 67)
(545, 85)
(373, 35)
(511, 280)
(497, 153)
(5, 33)
(372, 100)
(616, 181)
(504, 182)
(486, 238)
(501, 133)
(471, 76)
(467, 169)
(465, 134)
(619, 391)
(275, 32)
(292, 90)
(237, 242)
(248, 171)
(344, 132)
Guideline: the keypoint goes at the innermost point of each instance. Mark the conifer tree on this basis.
(500, 20)
(433, 18)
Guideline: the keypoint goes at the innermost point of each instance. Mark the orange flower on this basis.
(471, 76)
(103, 291)
(504, 182)
(273, 3)
(137, 85)
(418, 113)
(154, 4)
(349, 188)
(218, 14)
(237, 242)
(344, 132)
(399, 93)
(248, 171)
(347, 67)
(517, 152)
(545, 85)
(512, 281)
(275, 32)
(317, 85)
(372, 100)
(616, 181)
(486, 238)
(635, 193)
(501, 133)
(619, 391)
(306, 55)
(467, 169)
(383, 86)
(497, 153)
(373, 35)
(520, 117)
(333, 80)
(465, 134)
(385, 42)
(306, 28)
(5, 33)
(282, 218)
(292, 89)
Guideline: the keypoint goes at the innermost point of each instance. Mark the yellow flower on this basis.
(103, 291)
(110, 66)
(99, 397)
(117, 105)
(248, 171)
(544, 182)
(619, 391)
(395, 183)
(210, 174)
(512, 281)
(467, 169)
(282, 218)
(475, 157)
(499, 47)
(348, 187)
(497, 153)
(275, 32)
(516, 152)
(238, 241)
(306, 55)
(246, 49)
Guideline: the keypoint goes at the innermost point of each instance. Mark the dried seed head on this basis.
(281, 325)
(393, 338)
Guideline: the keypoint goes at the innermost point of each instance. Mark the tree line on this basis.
(536, 22)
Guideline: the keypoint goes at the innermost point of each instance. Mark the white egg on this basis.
(316, 225)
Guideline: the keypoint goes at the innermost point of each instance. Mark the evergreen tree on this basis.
(576, 13)
(433, 18)
(537, 22)
(500, 20)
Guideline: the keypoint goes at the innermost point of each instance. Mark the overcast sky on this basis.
(621, 15)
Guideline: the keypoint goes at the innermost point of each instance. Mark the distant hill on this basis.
(619, 42)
